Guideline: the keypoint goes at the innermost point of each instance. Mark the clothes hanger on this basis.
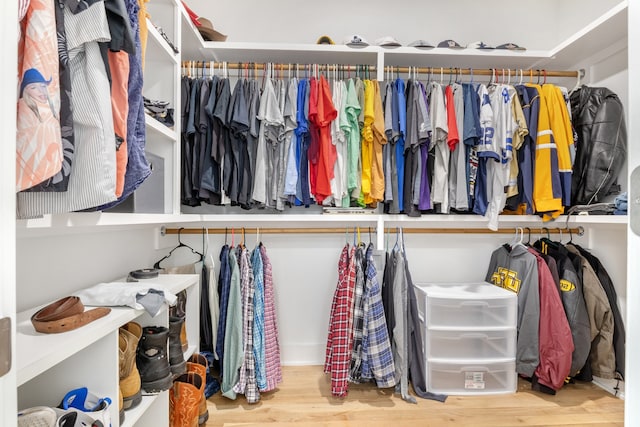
(180, 245)
(578, 81)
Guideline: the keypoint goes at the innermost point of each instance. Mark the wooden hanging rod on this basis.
(281, 67)
(578, 231)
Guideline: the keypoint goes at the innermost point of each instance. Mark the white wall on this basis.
(538, 25)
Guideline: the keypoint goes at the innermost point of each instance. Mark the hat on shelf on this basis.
(451, 44)
(355, 40)
(388, 41)
(480, 45)
(208, 32)
(510, 46)
(421, 44)
(324, 40)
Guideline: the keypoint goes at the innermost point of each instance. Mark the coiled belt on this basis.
(64, 315)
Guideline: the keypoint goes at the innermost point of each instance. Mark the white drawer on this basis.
(470, 305)
(472, 378)
(464, 344)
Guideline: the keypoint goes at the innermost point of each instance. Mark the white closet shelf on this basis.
(287, 53)
(595, 36)
(463, 58)
(37, 352)
(159, 129)
(79, 222)
(158, 50)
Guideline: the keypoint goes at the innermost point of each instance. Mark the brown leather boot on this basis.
(201, 370)
(179, 310)
(128, 338)
(184, 400)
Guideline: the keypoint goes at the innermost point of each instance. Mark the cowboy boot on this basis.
(130, 386)
(201, 370)
(176, 357)
(184, 400)
(152, 360)
(179, 310)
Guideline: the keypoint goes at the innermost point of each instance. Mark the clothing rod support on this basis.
(578, 231)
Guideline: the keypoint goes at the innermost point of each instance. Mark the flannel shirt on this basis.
(377, 357)
(358, 317)
(258, 319)
(271, 344)
(247, 381)
(340, 336)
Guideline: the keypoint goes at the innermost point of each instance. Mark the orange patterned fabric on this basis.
(119, 65)
(38, 141)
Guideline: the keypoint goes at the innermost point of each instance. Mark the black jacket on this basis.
(601, 147)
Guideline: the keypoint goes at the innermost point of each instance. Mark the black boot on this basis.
(152, 361)
(176, 357)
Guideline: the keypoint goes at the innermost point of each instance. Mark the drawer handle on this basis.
(476, 335)
(481, 303)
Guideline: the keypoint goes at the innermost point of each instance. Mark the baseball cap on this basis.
(355, 40)
(510, 46)
(388, 41)
(451, 44)
(324, 40)
(207, 31)
(421, 44)
(480, 45)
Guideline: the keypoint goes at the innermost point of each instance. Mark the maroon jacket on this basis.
(556, 342)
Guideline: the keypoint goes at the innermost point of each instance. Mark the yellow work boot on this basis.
(130, 384)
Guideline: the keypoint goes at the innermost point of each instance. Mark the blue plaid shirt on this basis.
(377, 357)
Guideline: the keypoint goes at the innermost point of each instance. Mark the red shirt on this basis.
(321, 116)
(453, 137)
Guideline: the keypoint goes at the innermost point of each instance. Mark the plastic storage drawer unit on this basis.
(465, 344)
(472, 378)
(470, 305)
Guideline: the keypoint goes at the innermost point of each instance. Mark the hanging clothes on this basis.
(39, 150)
(601, 361)
(233, 345)
(377, 356)
(610, 290)
(340, 335)
(273, 368)
(258, 319)
(556, 344)
(94, 172)
(573, 300)
(515, 269)
(246, 383)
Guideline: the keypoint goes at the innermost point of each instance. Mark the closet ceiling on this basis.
(537, 25)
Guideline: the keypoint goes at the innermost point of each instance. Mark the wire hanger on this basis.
(180, 245)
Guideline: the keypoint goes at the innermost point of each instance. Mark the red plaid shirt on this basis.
(340, 336)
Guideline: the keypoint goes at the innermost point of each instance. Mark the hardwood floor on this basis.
(304, 399)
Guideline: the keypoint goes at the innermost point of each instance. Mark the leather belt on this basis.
(64, 315)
